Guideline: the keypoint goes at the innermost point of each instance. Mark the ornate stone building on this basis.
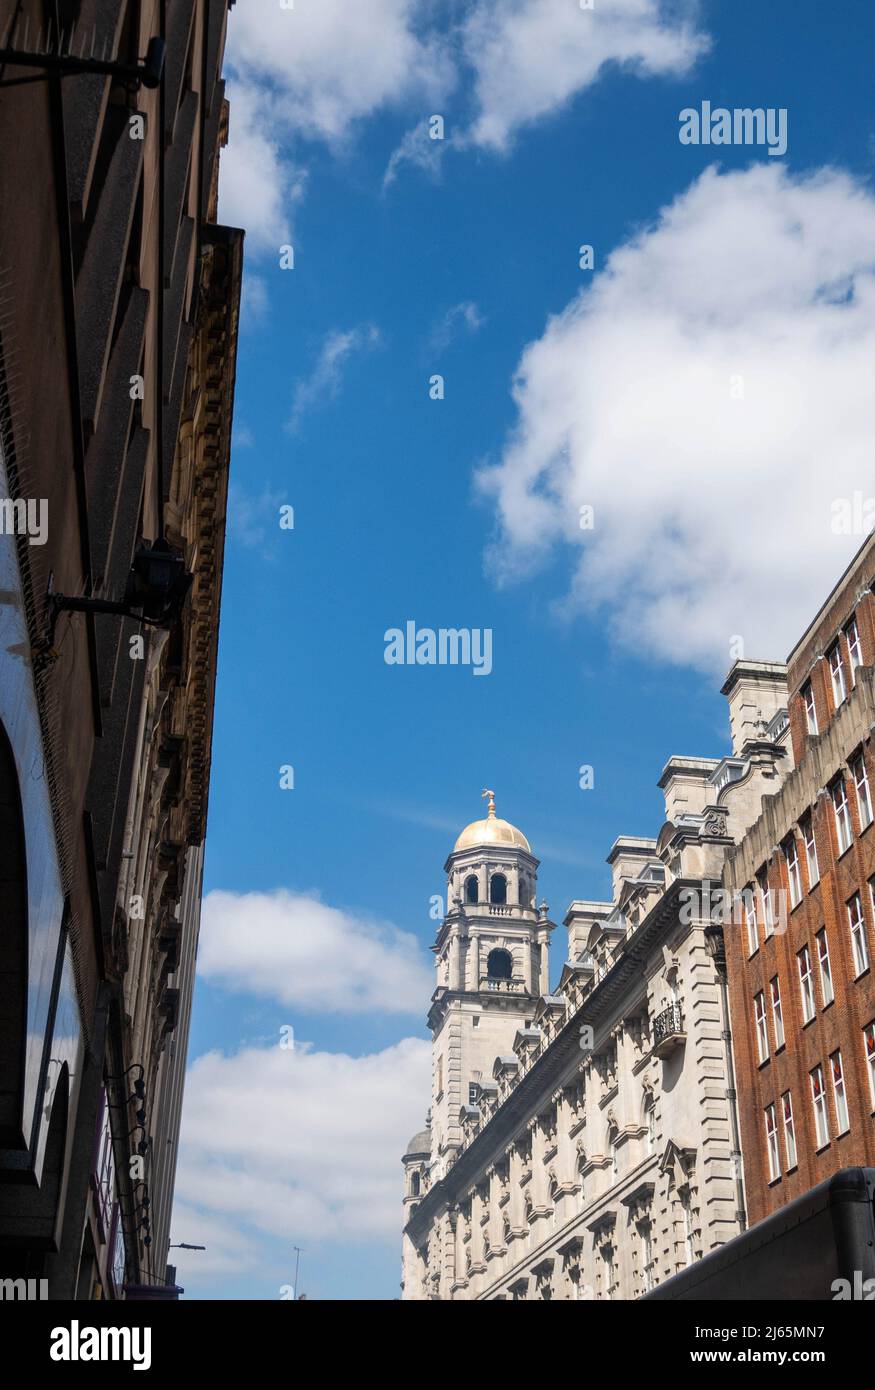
(119, 299)
(582, 1141)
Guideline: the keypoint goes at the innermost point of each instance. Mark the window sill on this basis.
(863, 973)
(764, 1063)
(773, 1182)
(823, 1148)
(792, 1169)
(828, 1005)
(808, 1021)
(779, 1050)
(842, 852)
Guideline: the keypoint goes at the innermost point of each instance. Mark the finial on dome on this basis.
(490, 807)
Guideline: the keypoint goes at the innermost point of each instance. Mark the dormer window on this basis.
(472, 889)
(498, 889)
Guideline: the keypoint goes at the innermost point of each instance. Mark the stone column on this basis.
(474, 957)
(530, 972)
(455, 962)
(448, 1242)
(544, 967)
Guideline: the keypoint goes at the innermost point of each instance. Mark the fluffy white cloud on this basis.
(713, 514)
(229, 1250)
(530, 57)
(298, 950)
(259, 186)
(315, 71)
(299, 1144)
(332, 62)
(323, 382)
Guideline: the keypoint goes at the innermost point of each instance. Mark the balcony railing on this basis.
(668, 1030)
(515, 986)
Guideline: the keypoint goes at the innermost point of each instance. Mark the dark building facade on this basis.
(119, 301)
(800, 958)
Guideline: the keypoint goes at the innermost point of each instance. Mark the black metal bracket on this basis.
(155, 593)
(148, 73)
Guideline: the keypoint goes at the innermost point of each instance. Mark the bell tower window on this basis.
(472, 890)
(498, 889)
(499, 965)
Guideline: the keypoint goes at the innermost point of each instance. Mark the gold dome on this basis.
(491, 831)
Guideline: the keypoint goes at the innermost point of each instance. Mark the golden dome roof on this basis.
(491, 831)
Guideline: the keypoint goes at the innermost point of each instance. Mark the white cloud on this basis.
(531, 57)
(465, 317)
(253, 519)
(333, 62)
(298, 950)
(299, 1144)
(416, 148)
(258, 185)
(228, 1249)
(323, 383)
(490, 67)
(712, 514)
(255, 301)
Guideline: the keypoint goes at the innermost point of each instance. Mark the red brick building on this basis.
(802, 993)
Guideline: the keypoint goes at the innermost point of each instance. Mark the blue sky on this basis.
(712, 518)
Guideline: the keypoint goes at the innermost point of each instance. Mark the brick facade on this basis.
(814, 909)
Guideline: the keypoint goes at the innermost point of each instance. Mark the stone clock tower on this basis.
(492, 967)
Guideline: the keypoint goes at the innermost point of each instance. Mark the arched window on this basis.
(472, 889)
(499, 965)
(414, 1185)
(498, 889)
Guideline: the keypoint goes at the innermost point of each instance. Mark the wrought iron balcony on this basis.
(668, 1030)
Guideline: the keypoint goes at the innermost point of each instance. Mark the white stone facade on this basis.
(583, 1144)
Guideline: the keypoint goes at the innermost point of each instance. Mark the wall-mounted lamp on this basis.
(157, 586)
(147, 73)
